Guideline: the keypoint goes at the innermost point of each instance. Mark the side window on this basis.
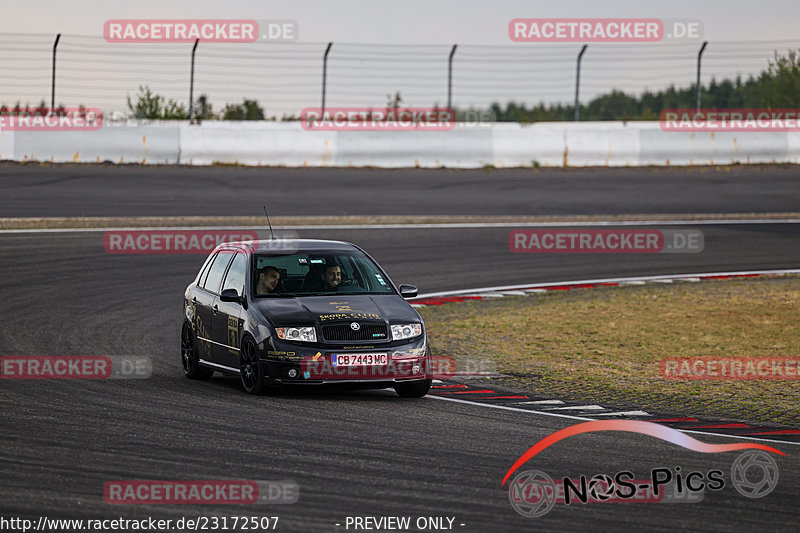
(236, 274)
(214, 276)
(204, 271)
(355, 273)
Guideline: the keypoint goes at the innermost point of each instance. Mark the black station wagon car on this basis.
(302, 312)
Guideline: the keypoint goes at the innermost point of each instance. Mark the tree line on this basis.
(776, 87)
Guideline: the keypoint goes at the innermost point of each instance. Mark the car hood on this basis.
(307, 310)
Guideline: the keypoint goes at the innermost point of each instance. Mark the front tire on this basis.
(413, 389)
(190, 358)
(250, 370)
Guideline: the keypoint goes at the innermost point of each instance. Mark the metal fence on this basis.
(285, 77)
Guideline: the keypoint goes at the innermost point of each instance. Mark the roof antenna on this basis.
(270, 224)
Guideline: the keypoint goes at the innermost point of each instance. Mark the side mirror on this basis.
(408, 291)
(230, 295)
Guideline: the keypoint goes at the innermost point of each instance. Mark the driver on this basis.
(268, 279)
(331, 277)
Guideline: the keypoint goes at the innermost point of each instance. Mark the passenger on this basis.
(268, 279)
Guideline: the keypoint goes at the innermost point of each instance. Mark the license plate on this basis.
(359, 359)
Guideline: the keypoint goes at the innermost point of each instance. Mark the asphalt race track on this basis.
(364, 453)
(109, 190)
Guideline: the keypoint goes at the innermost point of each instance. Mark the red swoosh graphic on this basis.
(634, 426)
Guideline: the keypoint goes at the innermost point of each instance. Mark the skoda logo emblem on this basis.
(355, 326)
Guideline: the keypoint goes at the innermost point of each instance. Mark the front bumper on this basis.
(290, 363)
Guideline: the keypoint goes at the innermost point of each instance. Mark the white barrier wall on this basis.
(547, 144)
(156, 143)
(520, 145)
(458, 148)
(606, 144)
(6, 145)
(717, 148)
(793, 147)
(256, 143)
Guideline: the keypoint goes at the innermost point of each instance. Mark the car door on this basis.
(204, 301)
(227, 316)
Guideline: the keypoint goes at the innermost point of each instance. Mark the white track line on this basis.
(625, 413)
(578, 408)
(454, 225)
(583, 418)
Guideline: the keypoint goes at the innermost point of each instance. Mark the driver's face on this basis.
(333, 276)
(269, 281)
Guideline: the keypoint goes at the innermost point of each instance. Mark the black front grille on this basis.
(367, 332)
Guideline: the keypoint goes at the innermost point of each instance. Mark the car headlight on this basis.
(406, 331)
(297, 334)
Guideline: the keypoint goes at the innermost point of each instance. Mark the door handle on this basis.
(216, 308)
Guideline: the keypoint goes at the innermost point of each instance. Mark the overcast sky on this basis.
(729, 25)
(404, 21)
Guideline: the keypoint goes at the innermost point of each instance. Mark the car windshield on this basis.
(317, 273)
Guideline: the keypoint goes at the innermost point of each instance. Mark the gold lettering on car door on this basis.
(233, 333)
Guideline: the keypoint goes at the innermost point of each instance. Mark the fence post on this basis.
(325, 75)
(699, 59)
(191, 83)
(450, 77)
(578, 83)
(53, 80)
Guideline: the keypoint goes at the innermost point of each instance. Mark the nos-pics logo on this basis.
(533, 493)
